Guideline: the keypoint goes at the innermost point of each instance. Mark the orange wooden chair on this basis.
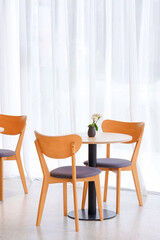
(135, 129)
(13, 125)
(58, 148)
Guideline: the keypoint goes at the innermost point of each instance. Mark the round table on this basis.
(101, 138)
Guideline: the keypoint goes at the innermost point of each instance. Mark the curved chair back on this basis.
(12, 125)
(58, 147)
(134, 129)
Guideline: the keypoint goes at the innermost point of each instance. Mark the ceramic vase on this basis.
(91, 131)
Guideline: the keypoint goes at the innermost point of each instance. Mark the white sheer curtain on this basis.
(62, 60)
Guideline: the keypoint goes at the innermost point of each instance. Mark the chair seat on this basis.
(81, 172)
(6, 153)
(111, 163)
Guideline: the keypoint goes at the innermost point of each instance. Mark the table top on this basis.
(1, 129)
(106, 137)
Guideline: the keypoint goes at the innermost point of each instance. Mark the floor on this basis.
(18, 216)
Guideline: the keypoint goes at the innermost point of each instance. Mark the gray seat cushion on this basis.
(111, 163)
(81, 172)
(6, 153)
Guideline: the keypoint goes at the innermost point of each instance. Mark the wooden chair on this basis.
(135, 129)
(58, 148)
(13, 125)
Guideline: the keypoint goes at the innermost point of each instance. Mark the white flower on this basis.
(96, 115)
(94, 118)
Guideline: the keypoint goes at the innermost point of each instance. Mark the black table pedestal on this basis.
(83, 215)
(92, 153)
(92, 214)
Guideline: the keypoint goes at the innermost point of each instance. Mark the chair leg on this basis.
(42, 202)
(118, 190)
(85, 187)
(76, 206)
(20, 167)
(1, 179)
(137, 185)
(99, 198)
(105, 186)
(65, 199)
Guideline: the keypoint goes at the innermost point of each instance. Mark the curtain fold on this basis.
(62, 60)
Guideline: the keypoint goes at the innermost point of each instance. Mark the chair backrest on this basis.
(57, 147)
(12, 125)
(134, 129)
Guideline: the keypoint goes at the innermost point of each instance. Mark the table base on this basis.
(83, 215)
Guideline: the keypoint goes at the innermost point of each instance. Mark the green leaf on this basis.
(91, 125)
(96, 127)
